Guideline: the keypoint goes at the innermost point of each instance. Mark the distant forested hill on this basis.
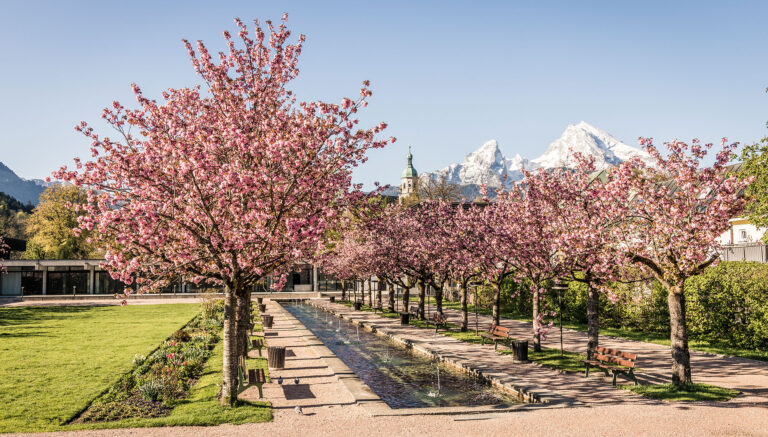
(22, 189)
(13, 217)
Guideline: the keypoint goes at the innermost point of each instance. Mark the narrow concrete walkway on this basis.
(318, 389)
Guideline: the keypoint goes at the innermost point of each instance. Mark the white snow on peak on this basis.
(589, 141)
(487, 165)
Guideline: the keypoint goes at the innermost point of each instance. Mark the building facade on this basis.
(68, 277)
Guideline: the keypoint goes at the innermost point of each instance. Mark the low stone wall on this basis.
(521, 394)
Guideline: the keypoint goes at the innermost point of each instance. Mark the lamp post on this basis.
(375, 282)
(476, 284)
(560, 287)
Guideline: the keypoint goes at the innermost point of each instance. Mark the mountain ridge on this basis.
(488, 165)
(23, 190)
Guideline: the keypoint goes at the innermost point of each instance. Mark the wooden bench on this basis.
(256, 377)
(439, 320)
(496, 333)
(613, 361)
(413, 310)
(258, 344)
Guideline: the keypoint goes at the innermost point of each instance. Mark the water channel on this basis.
(401, 378)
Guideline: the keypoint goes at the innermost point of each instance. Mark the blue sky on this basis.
(447, 76)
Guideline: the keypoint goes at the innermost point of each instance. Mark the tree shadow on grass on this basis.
(35, 315)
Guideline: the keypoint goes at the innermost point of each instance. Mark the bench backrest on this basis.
(440, 318)
(413, 309)
(614, 356)
(499, 331)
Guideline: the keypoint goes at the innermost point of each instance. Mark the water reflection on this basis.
(402, 379)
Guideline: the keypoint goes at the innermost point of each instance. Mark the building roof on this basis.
(409, 171)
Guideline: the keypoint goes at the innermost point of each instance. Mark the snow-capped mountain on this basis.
(487, 165)
(589, 141)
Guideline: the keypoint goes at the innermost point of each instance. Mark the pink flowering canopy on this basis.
(679, 208)
(225, 182)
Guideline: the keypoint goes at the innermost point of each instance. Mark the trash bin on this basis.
(405, 318)
(260, 300)
(520, 350)
(358, 305)
(266, 320)
(276, 357)
(332, 299)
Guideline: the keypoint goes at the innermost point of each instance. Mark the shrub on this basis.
(181, 336)
(729, 302)
(151, 390)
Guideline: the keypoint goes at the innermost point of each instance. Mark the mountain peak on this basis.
(488, 154)
(488, 166)
(588, 140)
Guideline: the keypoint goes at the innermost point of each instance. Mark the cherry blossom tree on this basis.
(436, 240)
(394, 233)
(341, 261)
(679, 209)
(537, 255)
(497, 233)
(463, 257)
(587, 209)
(226, 182)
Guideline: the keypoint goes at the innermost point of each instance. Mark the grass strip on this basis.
(686, 393)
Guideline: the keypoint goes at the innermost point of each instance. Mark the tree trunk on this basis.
(536, 334)
(593, 318)
(391, 295)
(439, 300)
(370, 293)
(681, 358)
(228, 394)
(378, 294)
(464, 311)
(422, 297)
(243, 318)
(406, 296)
(496, 302)
(343, 290)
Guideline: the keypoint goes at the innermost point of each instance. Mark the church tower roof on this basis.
(409, 171)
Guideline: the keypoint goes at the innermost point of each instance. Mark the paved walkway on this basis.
(546, 383)
(328, 411)
(745, 375)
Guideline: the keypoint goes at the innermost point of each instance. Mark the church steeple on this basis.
(409, 179)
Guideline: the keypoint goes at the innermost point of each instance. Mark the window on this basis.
(743, 235)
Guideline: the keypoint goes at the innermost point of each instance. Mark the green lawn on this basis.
(56, 360)
(693, 392)
(202, 407)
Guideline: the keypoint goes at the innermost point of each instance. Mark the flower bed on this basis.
(159, 381)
